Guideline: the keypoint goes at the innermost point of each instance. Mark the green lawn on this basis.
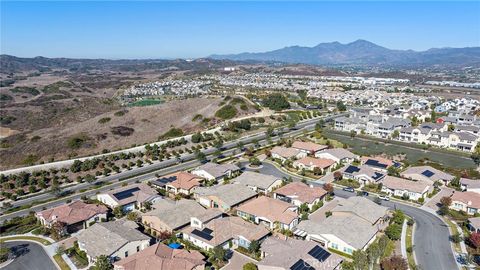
(31, 238)
(146, 102)
(454, 231)
(63, 265)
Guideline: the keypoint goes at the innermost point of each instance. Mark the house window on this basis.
(126, 254)
(334, 246)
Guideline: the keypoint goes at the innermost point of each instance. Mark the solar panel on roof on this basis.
(301, 265)
(207, 230)
(375, 163)
(428, 173)
(126, 193)
(352, 169)
(377, 175)
(319, 253)
(202, 234)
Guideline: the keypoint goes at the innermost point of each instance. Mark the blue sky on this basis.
(195, 29)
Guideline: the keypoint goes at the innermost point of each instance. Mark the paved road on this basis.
(432, 244)
(30, 256)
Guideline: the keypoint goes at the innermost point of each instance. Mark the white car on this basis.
(384, 198)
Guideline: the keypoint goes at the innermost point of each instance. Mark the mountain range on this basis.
(363, 53)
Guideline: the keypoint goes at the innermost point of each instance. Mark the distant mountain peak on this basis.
(363, 53)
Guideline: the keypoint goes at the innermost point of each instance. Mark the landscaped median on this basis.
(60, 262)
(40, 240)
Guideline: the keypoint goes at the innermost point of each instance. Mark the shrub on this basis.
(104, 120)
(226, 112)
(172, 133)
(250, 266)
(120, 113)
(122, 131)
(394, 231)
(276, 102)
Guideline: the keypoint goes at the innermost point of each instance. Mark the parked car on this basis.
(384, 197)
(362, 193)
(349, 189)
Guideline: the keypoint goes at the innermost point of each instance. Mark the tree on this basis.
(451, 127)
(200, 156)
(446, 201)
(474, 239)
(395, 262)
(102, 263)
(57, 230)
(393, 171)
(374, 252)
(4, 251)
(276, 102)
(328, 187)
(133, 216)
(341, 106)
(254, 247)
(118, 212)
(317, 171)
(90, 178)
(394, 231)
(395, 134)
(250, 266)
(218, 254)
(360, 260)
(337, 175)
(398, 217)
(353, 133)
(55, 189)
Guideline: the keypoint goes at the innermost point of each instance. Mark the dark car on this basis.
(349, 189)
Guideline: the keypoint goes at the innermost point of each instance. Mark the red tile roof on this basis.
(72, 213)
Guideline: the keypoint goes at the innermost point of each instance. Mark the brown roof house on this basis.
(397, 186)
(162, 257)
(289, 253)
(75, 216)
(270, 212)
(467, 201)
(298, 193)
(227, 232)
(129, 197)
(308, 148)
(284, 153)
(310, 163)
(116, 239)
(168, 216)
(184, 183)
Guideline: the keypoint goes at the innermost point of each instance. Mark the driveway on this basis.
(30, 256)
(237, 261)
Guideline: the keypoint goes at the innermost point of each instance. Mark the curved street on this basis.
(432, 243)
(29, 256)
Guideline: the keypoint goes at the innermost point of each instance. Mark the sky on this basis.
(120, 29)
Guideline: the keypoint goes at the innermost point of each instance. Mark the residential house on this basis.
(308, 148)
(224, 197)
(270, 212)
(184, 183)
(298, 193)
(260, 183)
(363, 174)
(116, 239)
(402, 187)
(310, 163)
(227, 232)
(216, 172)
(74, 216)
(284, 153)
(470, 185)
(129, 197)
(468, 202)
(474, 224)
(427, 173)
(339, 155)
(168, 217)
(162, 257)
(379, 163)
(290, 253)
(414, 134)
(386, 129)
(353, 225)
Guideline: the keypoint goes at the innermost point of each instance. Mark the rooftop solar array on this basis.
(126, 193)
(378, 175)
(428, 173)
(319, 253)
(375, 163)
(352, 169)
(205, 234)
(301, 265)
